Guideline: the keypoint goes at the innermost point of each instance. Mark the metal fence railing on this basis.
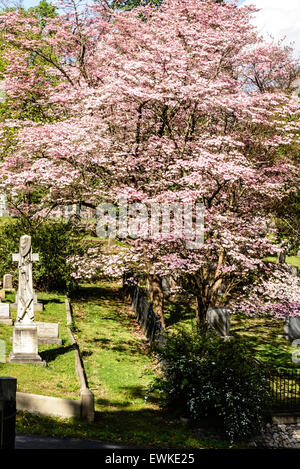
(285, 388)
(146, 317)
(284, 382)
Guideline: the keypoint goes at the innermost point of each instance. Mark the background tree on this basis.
(186, 105)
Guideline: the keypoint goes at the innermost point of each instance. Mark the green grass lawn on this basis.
(119, 370)
(292, 260)
(58, 378)
(262, 334)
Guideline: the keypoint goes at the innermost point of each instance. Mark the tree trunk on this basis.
(201, 311)
(157, 296)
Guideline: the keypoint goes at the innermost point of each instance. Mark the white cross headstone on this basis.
(25, 257)
(25, 334)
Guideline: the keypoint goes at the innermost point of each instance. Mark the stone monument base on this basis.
(25, 359)
(25, 345)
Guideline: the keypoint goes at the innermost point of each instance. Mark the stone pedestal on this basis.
(25, 345)
(218, 320)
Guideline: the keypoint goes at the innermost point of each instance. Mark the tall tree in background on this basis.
(179, 103)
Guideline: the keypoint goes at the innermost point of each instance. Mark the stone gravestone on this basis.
(8, 282)
(218, 319)
(293, 270)
(5, 314)
(2, 204)
(48, 333)
(165, 283)
(291, 328)
(25, 335)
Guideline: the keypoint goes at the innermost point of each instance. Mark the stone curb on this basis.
(60, 407)
(87, 397)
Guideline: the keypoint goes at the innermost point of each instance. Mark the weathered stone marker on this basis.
(218, 320)
(5, 314)
(8, 389)
(8, 282)
(2, 204)
(48, 333)
(293, 270)
(25, 336)
(291, 328)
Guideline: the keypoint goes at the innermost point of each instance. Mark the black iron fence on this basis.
(285, 388)
(146, 317)
(284, 383)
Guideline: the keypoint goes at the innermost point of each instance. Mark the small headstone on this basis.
(2, 205)
(8, 282)
(291, 328)
(48, 333)
(293, 270)
(218, 319)
(2, 294)
(5, 314)
(165, 283)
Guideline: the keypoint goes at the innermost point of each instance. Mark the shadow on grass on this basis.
(112, 404)
(51, 354)
(139, 392)
(102, 342)
(146, 428)
(45, 302)
(177, 312)
(97, 294)
(130, 346)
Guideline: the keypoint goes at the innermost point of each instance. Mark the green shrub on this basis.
(54, 240)
(203, 375)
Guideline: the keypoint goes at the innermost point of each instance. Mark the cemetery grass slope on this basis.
(119, 370)
(58, 378)
(262, 334)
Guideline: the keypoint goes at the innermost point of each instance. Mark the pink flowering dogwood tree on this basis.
(181, 103)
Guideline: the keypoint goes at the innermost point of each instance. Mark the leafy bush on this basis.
(203, 375)
(54, 240)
